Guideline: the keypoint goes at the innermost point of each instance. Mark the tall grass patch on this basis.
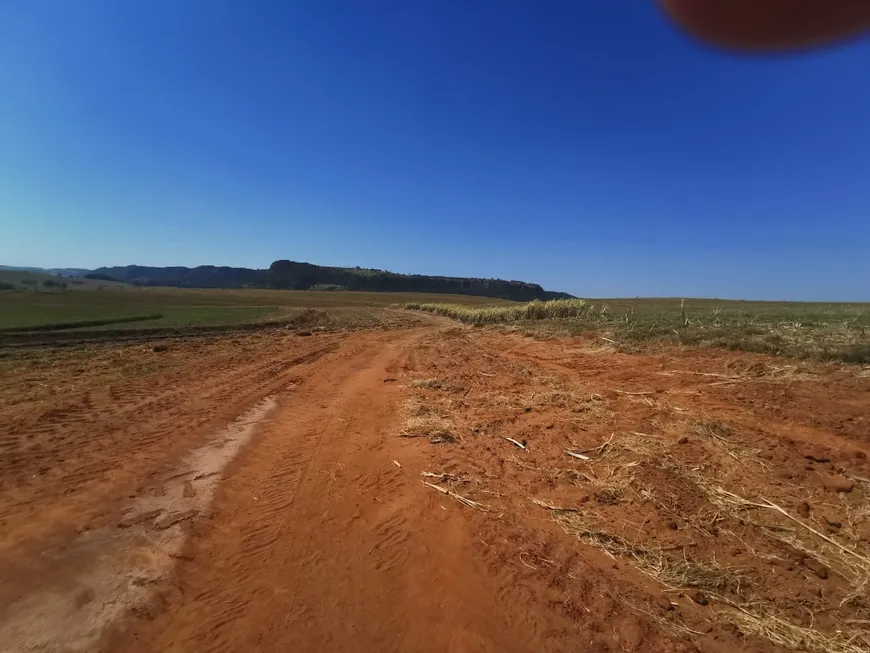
(535, 310)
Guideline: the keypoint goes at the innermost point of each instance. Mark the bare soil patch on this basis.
(428, 489)
(718, 498)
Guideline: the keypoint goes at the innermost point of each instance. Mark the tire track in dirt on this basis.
(81, 456)
(57, 524)
(319, 541)
(114, 569)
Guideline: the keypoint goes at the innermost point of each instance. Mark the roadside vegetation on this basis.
(804, 330)
(536, 310)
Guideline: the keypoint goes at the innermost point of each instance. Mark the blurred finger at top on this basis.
(771, 24)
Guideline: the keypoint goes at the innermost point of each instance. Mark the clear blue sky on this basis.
(587, 146)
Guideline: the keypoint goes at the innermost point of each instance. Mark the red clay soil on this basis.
(267, 493)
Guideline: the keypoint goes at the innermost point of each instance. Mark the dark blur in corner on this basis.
(771, 25)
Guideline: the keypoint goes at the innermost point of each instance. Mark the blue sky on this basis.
(589, 147)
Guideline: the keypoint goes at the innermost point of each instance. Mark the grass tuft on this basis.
(678, 573)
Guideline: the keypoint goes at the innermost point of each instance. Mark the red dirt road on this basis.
(255, 494)
(317, 543)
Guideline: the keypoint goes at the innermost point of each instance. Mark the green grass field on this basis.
(814, 330)
(117, 308)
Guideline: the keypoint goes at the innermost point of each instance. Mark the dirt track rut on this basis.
(316, 542)
(315, 539)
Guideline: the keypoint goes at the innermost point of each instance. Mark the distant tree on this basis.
(51, 283)
(7, 286)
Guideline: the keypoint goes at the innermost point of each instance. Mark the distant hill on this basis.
(61, 272)
(306, 276)
(25, 279)
(204, 276)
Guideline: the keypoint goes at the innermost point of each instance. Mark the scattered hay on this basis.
(712, 429)
(710, 579)
(755, 618)
(761, 622)
(609, 496)
(722, 435)
(550, 506)
(435, 384)
(846, 561)
(461, 499)
(674, 573)
(674, 624)
(583, 407)
(430, 384)
(640, 444)
(655, 473)
(614, 480)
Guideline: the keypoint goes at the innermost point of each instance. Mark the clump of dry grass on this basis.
(425, 421)
(609, 495)
(535, 310)
(433, 384)
(613, 475)
(583, 407)
(722, 435)
(427, 426)
(641, 444)
(429, 384)
(714, 429)
(851, 564)
(674, 572)
(709, 578)
(757, 617)
(762, 622)
(591, 405)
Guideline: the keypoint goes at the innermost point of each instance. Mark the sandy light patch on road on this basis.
(122, 564)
